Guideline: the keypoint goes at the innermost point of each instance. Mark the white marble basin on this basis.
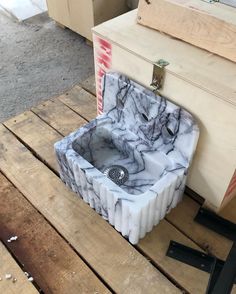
(130, 163)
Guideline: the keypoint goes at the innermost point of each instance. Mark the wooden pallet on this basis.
(63, 243)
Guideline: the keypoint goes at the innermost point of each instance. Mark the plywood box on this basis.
(81, 15)
(203, 83)
(211, 26)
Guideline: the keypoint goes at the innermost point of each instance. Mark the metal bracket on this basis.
(207, 263)
(226, 277)
(190, 256)
(158, 74)
(216, 223)
(193, 257)
(214, 276)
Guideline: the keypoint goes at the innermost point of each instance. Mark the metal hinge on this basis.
(158, 74)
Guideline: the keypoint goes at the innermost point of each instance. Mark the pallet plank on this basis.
(55, 266)
(41, 142)
(91, 236)
(81, 102)
(89, 85)
(59, 116)
(9, 266)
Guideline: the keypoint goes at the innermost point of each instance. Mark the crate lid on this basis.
(199, 67)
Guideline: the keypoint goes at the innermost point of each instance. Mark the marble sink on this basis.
(130, 163)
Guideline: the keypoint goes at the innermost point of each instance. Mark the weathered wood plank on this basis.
(54, 265)
(111, 256)
(59, 116)
(208, 26)
(43, 137)
(9, 266)
(80, 101)
(89, 85)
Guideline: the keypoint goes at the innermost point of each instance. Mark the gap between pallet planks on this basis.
(155, 244)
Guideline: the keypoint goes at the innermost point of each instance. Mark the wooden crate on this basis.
(80, 16)
(211, 26)
(203, 83)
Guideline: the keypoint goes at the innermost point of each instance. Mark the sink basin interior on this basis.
(104, 149)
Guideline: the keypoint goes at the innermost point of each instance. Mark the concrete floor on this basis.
(38, 60)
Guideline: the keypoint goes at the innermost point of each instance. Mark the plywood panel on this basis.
(80, 16)
(59, 11)
(104, 10)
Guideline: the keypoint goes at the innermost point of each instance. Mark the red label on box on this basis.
(103, 59)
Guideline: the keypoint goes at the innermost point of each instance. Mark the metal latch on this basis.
(158, 74)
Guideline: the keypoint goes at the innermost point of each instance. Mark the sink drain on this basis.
(117, 173)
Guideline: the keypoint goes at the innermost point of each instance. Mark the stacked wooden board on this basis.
(203, 83)
(208, 25)
(65, 245)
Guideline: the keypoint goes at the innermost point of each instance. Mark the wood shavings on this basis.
(8, 276)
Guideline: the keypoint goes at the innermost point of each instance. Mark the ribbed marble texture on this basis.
(149, 136)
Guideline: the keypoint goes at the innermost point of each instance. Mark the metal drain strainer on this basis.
(117, 173)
